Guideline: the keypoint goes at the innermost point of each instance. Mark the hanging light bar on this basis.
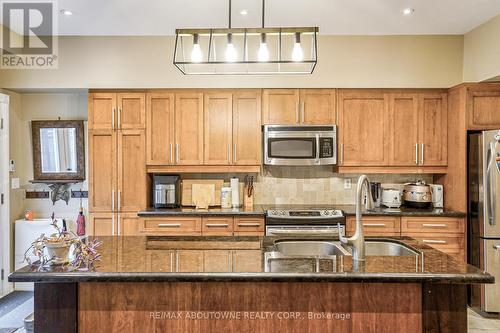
(287, 50)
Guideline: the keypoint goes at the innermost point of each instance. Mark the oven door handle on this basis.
(317, 148)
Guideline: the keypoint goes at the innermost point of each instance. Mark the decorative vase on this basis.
(59, 252)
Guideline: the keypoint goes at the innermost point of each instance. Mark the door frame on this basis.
(5, 225)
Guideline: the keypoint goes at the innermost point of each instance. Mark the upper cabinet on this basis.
(114, 111)
(247, 142)
(483, 108)
(160, 128)
(381, 128)
(218, 128)
(188, 128)
(298, 106)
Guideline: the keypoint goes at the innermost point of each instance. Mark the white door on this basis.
(4, 194)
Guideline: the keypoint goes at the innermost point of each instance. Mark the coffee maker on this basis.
(166, 191)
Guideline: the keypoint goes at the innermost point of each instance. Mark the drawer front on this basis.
(440, 242)
(249, 226)
(190, 226)
(432, 225)
(375, 225)
(217, 226)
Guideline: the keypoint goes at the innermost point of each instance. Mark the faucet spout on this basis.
(357, 241)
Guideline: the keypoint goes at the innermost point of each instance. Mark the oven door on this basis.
(304, 230)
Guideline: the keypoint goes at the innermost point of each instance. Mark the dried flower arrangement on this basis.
(85, 254)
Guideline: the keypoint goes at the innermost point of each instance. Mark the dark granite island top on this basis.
(229, 284)
(181, 258)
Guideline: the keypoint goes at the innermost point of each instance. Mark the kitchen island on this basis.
(245, 284)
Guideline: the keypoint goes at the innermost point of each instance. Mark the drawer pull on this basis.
(169, 225)
(434, 225)
(496, 246)
(217, 225)
(433, 241)
(248, 224)
(374, 224)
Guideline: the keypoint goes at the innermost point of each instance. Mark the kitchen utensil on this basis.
(391, 197)
(203, 195)
(187, 185)
(437, 195)
(417, 195)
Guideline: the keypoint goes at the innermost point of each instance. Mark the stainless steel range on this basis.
(304, 222)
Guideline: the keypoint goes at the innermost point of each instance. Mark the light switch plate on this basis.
(12, 166)
(14, 183)
(347, 184)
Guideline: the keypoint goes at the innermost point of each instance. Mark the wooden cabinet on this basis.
(247, 261)
(217, 226)
(112, 111)
(102, 170)
(483, 108)
(217, 261)
(189, 261)
(102, 111)
(102, 224)
(247, 142)
(160, 260)
(128, 224)
(160, 111)
(403, 129)
(433, 137)
(363, 128)
(188, 128)
(218, 128)
(249, 226)
(298, 106)
(172, 226)
(375, 225)
(131, 111)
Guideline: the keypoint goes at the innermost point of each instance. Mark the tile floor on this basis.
(478, 324)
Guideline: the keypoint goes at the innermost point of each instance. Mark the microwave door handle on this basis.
(317, 148)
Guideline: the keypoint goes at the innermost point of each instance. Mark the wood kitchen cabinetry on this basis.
(375, 225)
(298, 106)
(111, 111)
(483, 107)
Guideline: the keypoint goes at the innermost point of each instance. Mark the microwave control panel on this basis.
(326, 147)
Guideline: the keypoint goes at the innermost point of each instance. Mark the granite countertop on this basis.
(142, 259)
(260, 210)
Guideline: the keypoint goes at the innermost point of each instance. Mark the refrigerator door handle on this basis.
(490, 193)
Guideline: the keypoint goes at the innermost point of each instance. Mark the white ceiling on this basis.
(358, 17)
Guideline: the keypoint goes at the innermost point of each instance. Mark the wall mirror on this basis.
(58, 150)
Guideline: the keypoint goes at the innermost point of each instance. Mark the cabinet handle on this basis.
(423, 148)
(112, 200)
(302, 111)
(229, 153)
(171, 261)
(433, 241)
(119, 118)
(341, 153)
(177, 148)
(248, 224)
(416, 153)
(434, 225)
(374, 224)
(169, 225)
(216, 225)
(171, 154)
(113, 118)
(496, 246)
(297, 112)
(234, 154)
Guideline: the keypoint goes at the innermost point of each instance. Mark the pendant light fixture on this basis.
(279, 50)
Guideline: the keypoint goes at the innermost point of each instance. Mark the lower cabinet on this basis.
(109, 224)
(375, 225)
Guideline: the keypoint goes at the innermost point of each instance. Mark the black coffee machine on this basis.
(166, 191)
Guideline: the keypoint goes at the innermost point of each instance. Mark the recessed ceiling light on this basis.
(244, 12)
(408, 11)
(66, 12)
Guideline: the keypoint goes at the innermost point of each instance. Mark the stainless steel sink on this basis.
(310, 248)
(387, 248)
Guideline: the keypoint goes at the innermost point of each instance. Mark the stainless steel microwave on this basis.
(300, 145)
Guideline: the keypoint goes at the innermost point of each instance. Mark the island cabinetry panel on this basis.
(375, 225)
(189, 261)
(482, 108)
(187, 226)
(217, 261)
(247, 261)
(160, 260)
(299, 106)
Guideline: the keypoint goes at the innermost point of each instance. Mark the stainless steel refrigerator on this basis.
(484, 215)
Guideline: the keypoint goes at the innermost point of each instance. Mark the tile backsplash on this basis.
(308, 185)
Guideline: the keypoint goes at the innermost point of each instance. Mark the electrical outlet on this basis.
(347, 184)
(14, 183)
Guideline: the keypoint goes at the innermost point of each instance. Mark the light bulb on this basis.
(230, 50)
(263, 50)
(297, 54)
(196, 54)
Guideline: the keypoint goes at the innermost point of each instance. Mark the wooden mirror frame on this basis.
(77, 176)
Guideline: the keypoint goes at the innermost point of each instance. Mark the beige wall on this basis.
(344, 61)
(482, 52)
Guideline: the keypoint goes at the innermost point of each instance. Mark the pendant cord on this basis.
(263, 12)
(230, 14)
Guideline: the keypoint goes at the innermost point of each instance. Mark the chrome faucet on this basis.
(357, 241)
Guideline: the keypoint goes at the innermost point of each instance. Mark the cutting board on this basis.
(203, 195)
(187, 190)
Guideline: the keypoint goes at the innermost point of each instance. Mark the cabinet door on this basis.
(433, 129)
(217, 261)
(102, 170)
(483, 108)
(403, 130)
(280, 106)
(218, 128)
(363, 123)
(102, 224)
(160, 128)
(317, 106)
(131, 111)
(189, 261)
(247, 261)
(247, 130)
(160, 260)
(128, 224)
(189, 129)
(131, 171)
(102, 111)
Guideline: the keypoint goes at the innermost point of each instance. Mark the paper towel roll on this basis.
(235, 193)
